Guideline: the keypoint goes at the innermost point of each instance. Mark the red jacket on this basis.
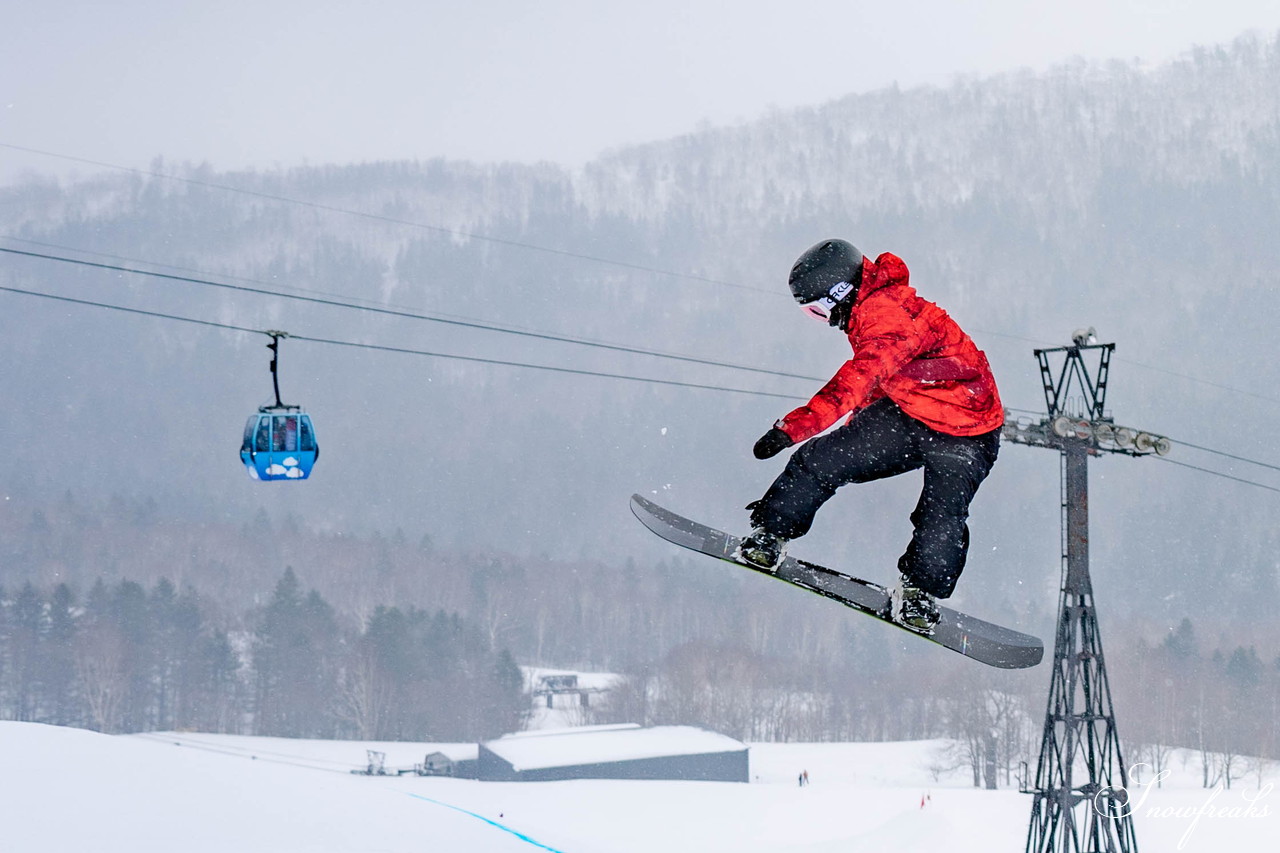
(909, 350)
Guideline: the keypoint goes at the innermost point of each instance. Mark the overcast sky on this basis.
(264, 83)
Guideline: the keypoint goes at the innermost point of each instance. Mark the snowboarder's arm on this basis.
(885, 340)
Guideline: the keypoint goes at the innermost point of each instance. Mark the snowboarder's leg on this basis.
(954, 467)
(880, 441)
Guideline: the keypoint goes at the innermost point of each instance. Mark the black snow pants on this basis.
(882, 441)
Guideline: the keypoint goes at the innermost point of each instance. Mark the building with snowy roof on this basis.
(614, 752)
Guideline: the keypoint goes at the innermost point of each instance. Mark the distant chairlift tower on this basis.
(1071, 814)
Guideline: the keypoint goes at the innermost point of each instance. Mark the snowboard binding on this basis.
(913, 608)
(762, 549)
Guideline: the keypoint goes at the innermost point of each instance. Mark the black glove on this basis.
(772, 443)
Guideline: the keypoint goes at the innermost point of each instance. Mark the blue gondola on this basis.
(279, 441)
(279, 445)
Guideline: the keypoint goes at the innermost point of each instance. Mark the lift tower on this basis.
(1081, 798)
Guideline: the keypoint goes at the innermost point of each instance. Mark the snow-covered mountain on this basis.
(1142, 201)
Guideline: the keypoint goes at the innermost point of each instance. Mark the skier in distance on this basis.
(919, 395)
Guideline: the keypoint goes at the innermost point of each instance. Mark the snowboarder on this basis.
(919, 395)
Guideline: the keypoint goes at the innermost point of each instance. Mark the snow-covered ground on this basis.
(71, 790)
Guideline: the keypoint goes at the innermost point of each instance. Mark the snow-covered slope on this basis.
(71, 790)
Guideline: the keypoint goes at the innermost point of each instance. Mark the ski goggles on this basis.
(822, 307)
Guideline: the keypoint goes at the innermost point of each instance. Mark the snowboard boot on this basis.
(913, 608)
(762, 549)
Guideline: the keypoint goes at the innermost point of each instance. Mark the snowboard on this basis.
(974, 638)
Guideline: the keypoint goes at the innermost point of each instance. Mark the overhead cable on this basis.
(1217, 385)
(404, 350)
(444, 315)
(551, 368)
(1227, 455)
(1218, 474)
(393, 312)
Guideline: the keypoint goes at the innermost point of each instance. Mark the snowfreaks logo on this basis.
(1116, 803)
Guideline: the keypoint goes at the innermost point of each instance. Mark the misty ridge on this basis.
(1143, 202)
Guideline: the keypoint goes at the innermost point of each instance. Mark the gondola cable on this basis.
(501, 362)
(406, 350)
(336, 303)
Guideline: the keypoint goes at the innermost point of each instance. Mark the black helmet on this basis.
(822, 268)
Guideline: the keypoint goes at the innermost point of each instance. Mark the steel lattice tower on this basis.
(1081, 784)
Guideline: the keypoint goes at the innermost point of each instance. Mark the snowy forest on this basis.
(468, 517)
(274, 658)
(130, 659)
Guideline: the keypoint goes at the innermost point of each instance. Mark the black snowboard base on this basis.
(983, 641)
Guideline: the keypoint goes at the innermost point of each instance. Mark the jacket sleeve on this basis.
(885, 338)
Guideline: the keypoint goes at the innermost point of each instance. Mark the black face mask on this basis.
(840, 315)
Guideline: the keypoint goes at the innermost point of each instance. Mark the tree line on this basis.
(1219, 711)
(130, 658)
(1223, 706)
(134, 658)
(697, 644)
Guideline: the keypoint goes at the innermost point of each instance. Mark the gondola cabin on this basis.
(279, 445)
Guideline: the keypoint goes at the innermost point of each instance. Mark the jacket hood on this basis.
(888, 269)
